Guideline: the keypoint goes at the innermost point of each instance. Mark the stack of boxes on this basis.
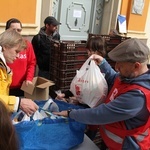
(110, 43)
(68, 56)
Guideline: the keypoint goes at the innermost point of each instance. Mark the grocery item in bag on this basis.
(89, 85)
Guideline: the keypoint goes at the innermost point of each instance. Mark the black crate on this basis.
(69, 56)
(66, 46)
(62, 83)
(110, 42)
(65, 82)
(81, 56)
(66, 57)
(111, 39)
(65, 65)
(109, 47)
(62, 73)
(65, 88)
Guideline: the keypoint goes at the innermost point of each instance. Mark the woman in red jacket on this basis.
(24, 67)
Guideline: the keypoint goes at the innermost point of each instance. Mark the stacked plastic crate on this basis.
(110, 43)
(65, 59)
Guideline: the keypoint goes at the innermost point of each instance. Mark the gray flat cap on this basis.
(131, 50)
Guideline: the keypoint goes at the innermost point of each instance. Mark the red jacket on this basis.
(23, 68)
(115, 133)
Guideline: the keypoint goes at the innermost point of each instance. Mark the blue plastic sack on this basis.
(50, 134)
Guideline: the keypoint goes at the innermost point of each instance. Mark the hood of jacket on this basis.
(42, 32)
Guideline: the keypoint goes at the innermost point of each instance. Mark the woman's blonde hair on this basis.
(10, 38)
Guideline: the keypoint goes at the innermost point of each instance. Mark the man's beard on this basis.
(130, 76)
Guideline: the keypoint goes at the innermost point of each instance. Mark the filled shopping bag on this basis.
(89, 85)
(59, 133)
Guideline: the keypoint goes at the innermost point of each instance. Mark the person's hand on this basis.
(61, 96)
(73, 100)
(97, 58)
(63, 113)
(28, 106)
(28, 82)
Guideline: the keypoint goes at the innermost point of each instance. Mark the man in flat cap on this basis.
(42, 47)
(124, 118)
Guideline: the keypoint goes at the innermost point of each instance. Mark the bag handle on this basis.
(86, 64)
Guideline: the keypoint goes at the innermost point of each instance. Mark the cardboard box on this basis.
(39, 90)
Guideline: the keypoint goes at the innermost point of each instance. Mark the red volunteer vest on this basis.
(115, 133)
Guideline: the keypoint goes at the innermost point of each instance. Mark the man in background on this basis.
(42, 45)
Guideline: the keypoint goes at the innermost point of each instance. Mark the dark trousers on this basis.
(16, 92)
(44, 74)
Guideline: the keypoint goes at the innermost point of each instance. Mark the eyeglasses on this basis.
(18, 30)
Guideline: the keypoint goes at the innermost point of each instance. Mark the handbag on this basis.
(51, 134)
(89, 85)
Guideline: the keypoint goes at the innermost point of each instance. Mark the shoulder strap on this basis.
(39, 40)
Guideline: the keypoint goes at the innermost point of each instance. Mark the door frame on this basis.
(109, 18)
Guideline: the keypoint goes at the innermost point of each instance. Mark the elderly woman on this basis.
(11, 43)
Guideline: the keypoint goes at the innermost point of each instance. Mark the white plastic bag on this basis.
(89, 85)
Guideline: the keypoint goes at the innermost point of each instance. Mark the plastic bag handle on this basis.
(84, 66)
